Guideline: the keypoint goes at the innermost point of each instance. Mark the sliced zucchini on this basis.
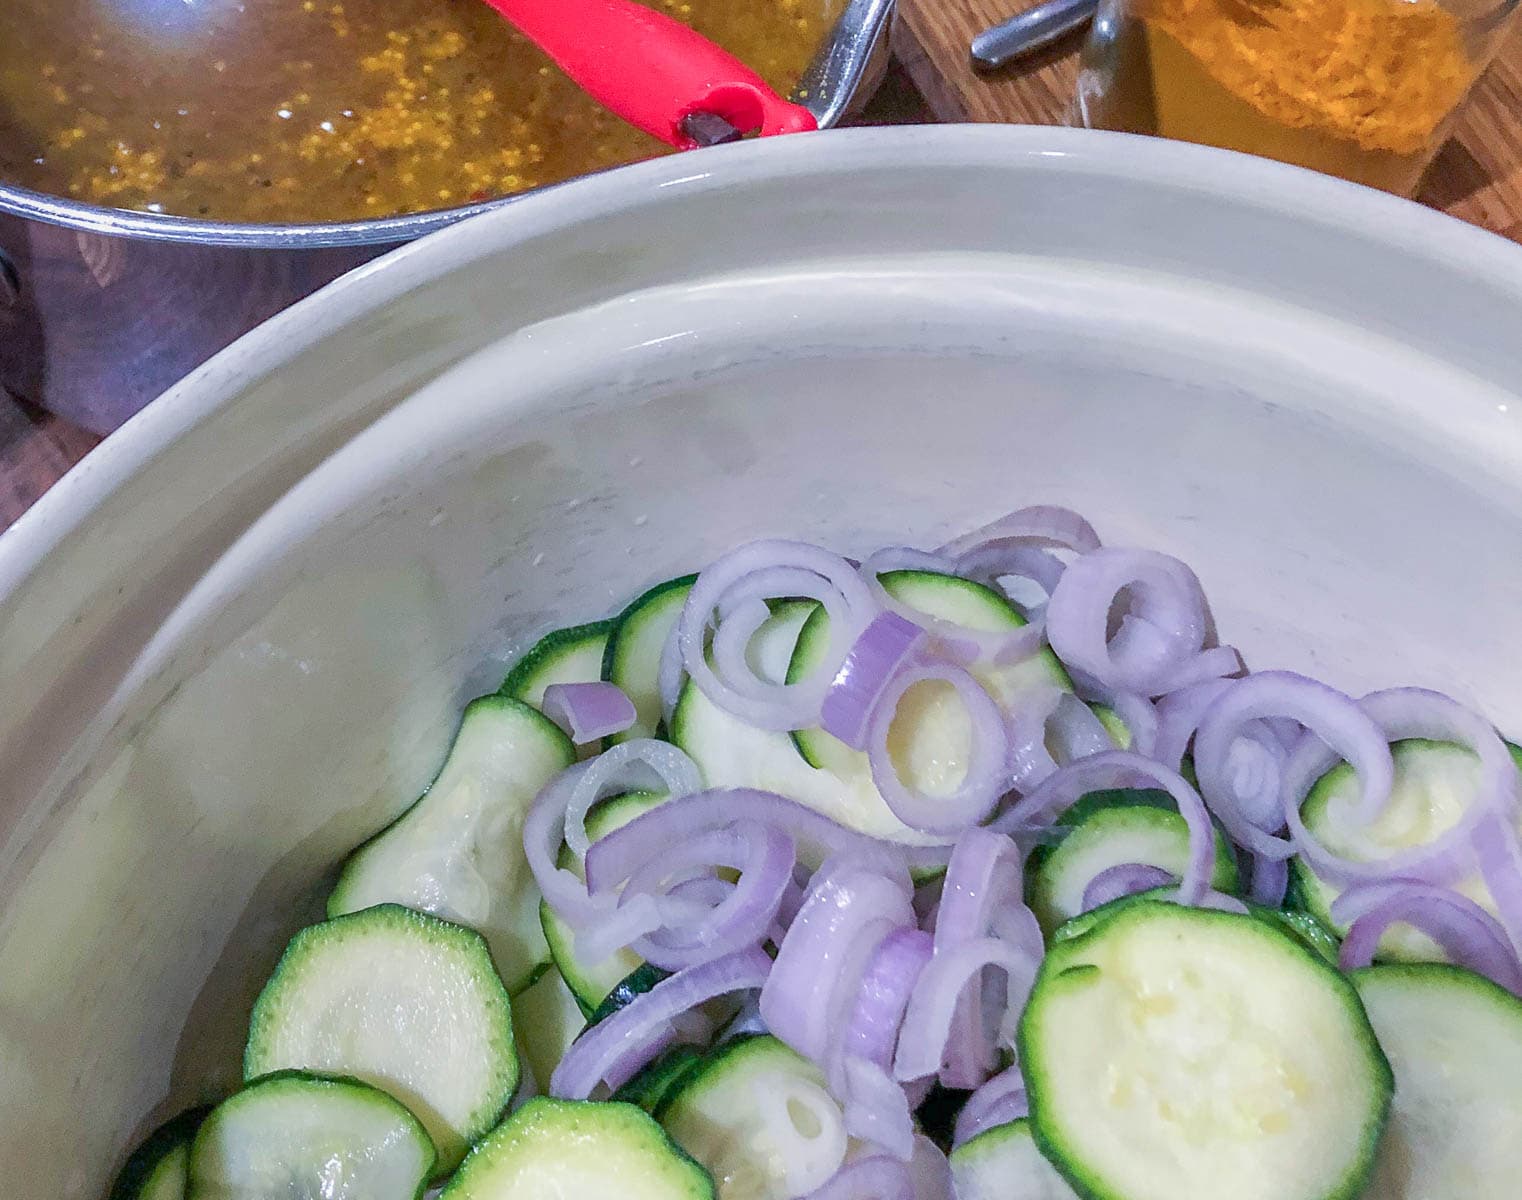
(458, 852)
(591, 982)
(158, 1168)
(1455, 1042)
(1311, 933)
(697, 1025)
(1170, 1051)
(1085, 922)
(627, 990)
(1119, 731)
(578, 1150)
(1004, 1163)
(293, 1136)
(731, 753)
(930, 732)
(660, 1078)
(565, 656)
(760, 1118)
(1092, 802)
(399, 1000)
(632, 658)
(1125, 827)
(571, 655)
(1316, 936)
(546, 1020)
(1435, 784)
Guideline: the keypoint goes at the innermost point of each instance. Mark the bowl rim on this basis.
(827, 88)
(1402, 226)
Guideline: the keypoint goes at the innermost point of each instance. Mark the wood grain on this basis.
(932, 38)
(1477, 176)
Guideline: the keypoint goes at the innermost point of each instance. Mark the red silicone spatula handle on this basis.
(649, 69)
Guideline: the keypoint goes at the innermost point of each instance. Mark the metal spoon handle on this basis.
(1034, 29)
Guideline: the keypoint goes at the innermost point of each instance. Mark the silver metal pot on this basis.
(101, 309)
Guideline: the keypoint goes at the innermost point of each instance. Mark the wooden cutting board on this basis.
(1477, 175)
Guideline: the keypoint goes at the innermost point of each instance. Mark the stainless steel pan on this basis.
(102, 309)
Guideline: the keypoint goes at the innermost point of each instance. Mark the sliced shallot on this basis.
(1121, 880)
(810, 996)
(1159, 645)
(932, 1008)
(877, 1177)
(1335, 719)
(884, 994)
(985, 777)
(1500, 856)
(588, 712)
(1120, 769)
(999, 1101)
(543, 833)
(1398, 714)
(875, 659)
(982, 896)
(1468, 934)
(732, 585)
(642, 764)
(963, 643)
(611, 1052)
(1038, 525)
(614, 857)
(739, 915)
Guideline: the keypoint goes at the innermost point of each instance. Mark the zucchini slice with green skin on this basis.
(571, 655)
(458, 852)
(1311, 933)
(1170, 1052)
(546, 1020)
(1455, 1042)
(1004, 1163)
(660, 1078)
(1118, 730)
(632, 659)
(1127, 827)
(1092, 802)
(590, 983)
(644, 978)
(578, 1150)
(1316, 936)
(399, 1000)
(731, 753)
(565, 656)
(816, 769)
(294, 1136)
(928, 747)
(760, 1118)
(627, 990)
(158, 1168)
(1434, 785)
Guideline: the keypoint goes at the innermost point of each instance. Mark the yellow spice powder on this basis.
(1383, 74)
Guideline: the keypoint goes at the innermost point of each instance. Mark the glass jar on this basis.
(1364, 89)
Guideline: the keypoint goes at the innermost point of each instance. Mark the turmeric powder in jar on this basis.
(1364, 89)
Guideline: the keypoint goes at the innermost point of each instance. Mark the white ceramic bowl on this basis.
(233, 642)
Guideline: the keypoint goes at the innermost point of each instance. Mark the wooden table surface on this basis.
(1477, 177)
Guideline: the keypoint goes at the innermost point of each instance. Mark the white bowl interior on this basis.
(248, 644)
